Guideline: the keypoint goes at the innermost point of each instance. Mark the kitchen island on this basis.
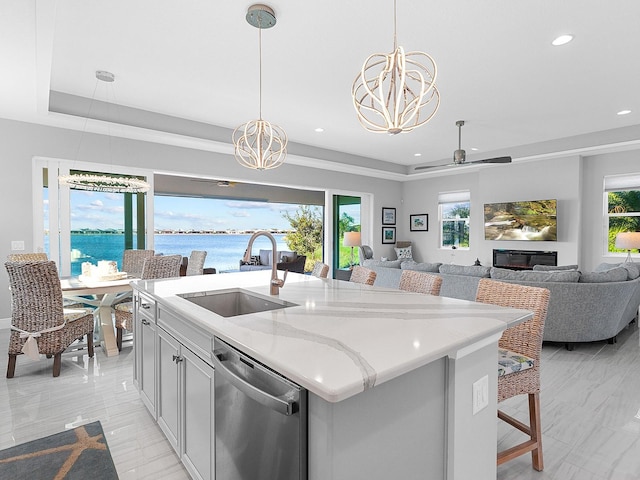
(390, 374)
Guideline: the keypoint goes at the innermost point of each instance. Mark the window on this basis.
(621, 206)
(453, 210)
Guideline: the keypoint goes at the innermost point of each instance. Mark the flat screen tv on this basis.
(531, 220)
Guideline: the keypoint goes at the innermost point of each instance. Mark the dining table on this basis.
(102, 294)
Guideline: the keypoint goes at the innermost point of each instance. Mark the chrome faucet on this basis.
(275, 283)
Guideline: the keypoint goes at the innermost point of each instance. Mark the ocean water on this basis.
(223, 251)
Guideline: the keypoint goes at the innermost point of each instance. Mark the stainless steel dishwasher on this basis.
(260, 420)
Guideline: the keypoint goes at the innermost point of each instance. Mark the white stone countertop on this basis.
(343, 337)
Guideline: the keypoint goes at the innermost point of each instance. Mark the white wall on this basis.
(20, 142)
(547, 179)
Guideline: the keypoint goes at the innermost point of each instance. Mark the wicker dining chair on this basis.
(159, 266)
(320, 270)
(39, 322)
(362, 275)
(420, 282)
(519, 360)
(27, 257)
(133, 261)
(196, 262)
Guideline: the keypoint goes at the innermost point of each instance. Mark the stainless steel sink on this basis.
(231, 303)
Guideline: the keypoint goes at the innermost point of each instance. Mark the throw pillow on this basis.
(404, 253)
(633, 270)
(254, 260)
(470, 270)
(566, 276)
(420, 267)
(617, 274)
(265, 257)
(286, 253)
(553, 268)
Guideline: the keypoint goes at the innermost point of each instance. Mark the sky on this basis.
(95, 210)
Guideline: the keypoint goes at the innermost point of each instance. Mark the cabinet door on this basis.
(199, 434)
(168, 406)
(145, 342)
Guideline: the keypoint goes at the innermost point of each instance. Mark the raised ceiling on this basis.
(197, 62)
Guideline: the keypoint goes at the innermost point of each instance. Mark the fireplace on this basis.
(523, 259)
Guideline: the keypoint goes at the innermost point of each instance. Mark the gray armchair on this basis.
(366, 253)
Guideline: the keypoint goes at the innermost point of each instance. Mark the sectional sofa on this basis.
(583, 307)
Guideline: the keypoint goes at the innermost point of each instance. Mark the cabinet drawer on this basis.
(197, 340)
(145, 306)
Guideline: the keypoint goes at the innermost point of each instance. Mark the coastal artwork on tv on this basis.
(530, 220)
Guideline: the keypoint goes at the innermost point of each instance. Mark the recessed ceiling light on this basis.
(417, 154)
(562, 40)
(474, 149)
(624, 112)
(319, 130)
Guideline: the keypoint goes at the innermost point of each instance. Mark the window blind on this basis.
(619, 183)
(452, 197)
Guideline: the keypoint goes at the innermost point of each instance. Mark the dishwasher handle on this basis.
(284, 407)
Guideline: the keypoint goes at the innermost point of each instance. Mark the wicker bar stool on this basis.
(420, 282)
(362, 275)
(519, 360)
(320, 270)
(39, 323)
(160, 266)
(27, 257)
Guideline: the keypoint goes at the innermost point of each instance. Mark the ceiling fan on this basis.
(459, 156)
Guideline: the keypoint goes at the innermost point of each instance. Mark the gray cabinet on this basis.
(144, 339)
(168, 407)
(185, 399)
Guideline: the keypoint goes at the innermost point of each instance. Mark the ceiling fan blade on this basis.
(493, 160)
(462, 164)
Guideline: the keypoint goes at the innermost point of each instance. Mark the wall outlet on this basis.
(17, 245)
(480, 392)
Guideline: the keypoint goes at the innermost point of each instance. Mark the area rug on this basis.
(81, 453)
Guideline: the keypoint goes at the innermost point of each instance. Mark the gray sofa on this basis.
(582, 307)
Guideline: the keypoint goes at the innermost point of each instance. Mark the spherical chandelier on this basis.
(396, 92)
(258, 144)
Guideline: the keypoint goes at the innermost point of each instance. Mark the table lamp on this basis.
(351, 239)
(628, 241)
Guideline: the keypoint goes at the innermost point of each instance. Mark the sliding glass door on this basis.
(76, 226)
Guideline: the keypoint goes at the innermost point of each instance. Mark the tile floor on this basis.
(590, 411)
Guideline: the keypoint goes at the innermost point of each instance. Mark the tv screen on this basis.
(533, 220)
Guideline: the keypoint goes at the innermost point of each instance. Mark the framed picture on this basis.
(388, 216)
(388, 234)
(419, 222)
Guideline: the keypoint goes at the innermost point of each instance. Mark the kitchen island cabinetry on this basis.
(389, 374)
(182, 402)
(144, 319)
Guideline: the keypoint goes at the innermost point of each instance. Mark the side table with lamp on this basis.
(351, 239)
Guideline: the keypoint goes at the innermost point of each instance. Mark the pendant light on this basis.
(396, 92)
(258, 144)
(103, 182)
